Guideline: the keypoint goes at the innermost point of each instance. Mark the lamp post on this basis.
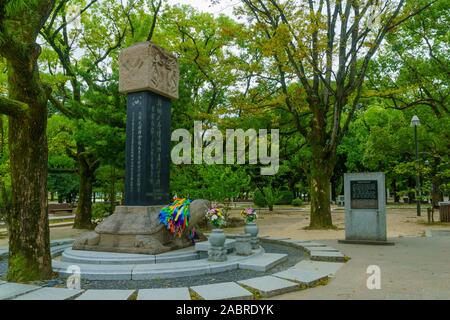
(415, 122)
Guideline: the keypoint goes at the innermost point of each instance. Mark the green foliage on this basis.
(100, 211)
(285, 197)
(21, 269)
(272, 196)
(297, 202)
(259, 199)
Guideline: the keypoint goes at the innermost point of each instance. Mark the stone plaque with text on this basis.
(364, 195)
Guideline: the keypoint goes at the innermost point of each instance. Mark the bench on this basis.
(60, 208)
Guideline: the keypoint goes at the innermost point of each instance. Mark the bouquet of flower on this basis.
(216, 217)
(249, 215)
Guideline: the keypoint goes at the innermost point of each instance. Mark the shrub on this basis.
(297, 202)
(259, 199)
(285, 198)
(272, 196)
(100, 211)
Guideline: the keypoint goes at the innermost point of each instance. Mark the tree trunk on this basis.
(321, 170)
(83, 218)
(29, 236)
(395, 191)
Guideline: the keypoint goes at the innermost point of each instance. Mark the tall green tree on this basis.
(26, 106)
(325, 48)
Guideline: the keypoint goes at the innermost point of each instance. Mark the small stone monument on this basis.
(365, 209)
(149, 76)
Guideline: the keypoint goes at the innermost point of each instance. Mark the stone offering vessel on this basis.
(138, 230)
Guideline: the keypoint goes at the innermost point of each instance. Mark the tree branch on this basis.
(13, 108)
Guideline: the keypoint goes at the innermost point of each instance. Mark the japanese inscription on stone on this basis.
(364, 195)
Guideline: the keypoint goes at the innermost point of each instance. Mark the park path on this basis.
(413, 269)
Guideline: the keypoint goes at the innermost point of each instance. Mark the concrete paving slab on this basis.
(313, 245)
(222, 291)
(263, 262)
(12, 290)
(164, 294)
(270, 286)
(323, 249)
(305, 277)
(327, 256)
(106, 295)
(50, 294)
(325, 268)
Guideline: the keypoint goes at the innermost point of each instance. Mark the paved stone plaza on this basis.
(415, 268)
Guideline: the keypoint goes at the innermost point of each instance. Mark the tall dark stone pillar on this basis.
(147, 153)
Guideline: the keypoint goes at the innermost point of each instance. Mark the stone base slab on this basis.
(367, 242)
(138, 230)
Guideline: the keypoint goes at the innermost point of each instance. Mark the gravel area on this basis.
(294, 256)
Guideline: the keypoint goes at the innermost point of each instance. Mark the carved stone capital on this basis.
(147, 67)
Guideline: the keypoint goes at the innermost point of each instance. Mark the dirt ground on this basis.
(402, 222)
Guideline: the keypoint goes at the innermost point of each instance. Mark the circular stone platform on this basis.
(180, 263)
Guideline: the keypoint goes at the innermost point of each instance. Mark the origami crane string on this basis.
(176, 216)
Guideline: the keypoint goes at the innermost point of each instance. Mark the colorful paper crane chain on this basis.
(176, 216)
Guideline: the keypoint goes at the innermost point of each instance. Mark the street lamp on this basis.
(415, 122)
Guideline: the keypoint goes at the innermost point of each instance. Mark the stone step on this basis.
(263, 262)
(50, 294)
(204, 246)
(95, 272)
(56, 251)
(179, 294)
(222, 291)
(324, 268)
(270, 286)
(12, 290)
(106, 295)
(304, 277)
(307, 245)
(322, 249)
(106, 258)
(327, 256)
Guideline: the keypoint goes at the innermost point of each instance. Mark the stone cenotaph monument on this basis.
(149, 76)
(365, 209)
